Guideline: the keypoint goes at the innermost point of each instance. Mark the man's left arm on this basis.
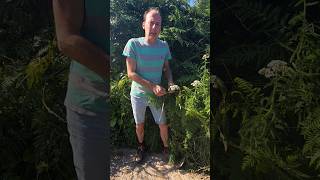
(168, 73)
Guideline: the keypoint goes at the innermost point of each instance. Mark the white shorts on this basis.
(139, 106)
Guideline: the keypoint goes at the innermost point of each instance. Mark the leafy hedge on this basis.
(267, 122)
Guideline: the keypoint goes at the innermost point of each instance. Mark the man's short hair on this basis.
(150, 9)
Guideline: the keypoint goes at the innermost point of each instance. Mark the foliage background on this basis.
(266, 128)
(33, 75)
(34, 141)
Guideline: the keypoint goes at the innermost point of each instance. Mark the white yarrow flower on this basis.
(205, 56)
(213, 80)
(195, 83)
(173, 88)
(276, 63)
(273, 68)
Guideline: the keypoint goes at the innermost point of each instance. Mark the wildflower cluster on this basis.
(173, 88)
(213, 81)
(275, 67)
(195, 83)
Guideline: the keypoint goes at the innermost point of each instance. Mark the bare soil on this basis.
(123, 166)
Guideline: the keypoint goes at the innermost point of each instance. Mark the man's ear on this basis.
(143, 25)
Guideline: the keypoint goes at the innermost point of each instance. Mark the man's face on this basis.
(152, 25)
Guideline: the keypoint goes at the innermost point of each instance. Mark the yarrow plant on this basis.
(158, 101)
(205, 56)
(173, 88)
(213, 81)
(195, 83)
(275, 67)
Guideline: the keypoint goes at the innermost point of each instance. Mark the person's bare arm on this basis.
(168, 73)
(131, 70)
(68, 16)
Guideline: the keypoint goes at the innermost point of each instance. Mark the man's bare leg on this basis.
(140, 132)
(164, 137)
(164, 134)
(140, 137)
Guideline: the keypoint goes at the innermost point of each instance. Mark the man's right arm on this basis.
(68, 16)
(131, 69)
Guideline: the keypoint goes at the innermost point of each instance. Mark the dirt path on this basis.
(124, 167)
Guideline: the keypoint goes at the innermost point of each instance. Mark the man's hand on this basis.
(158, 90)
(131, 69)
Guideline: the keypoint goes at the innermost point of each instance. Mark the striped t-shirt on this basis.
(87, 91)
(150, 59)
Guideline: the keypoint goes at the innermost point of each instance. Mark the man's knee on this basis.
(163, 126)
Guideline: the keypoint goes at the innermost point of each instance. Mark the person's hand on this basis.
(158, 90)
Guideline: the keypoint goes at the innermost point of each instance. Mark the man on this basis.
(146, 58)
(81, 29)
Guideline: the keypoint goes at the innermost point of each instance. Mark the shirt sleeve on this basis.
(168, 54)
(129, 50)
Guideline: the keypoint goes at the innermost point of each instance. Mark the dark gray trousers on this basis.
(89, 138)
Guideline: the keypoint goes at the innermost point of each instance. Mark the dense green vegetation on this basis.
(266, 111)
(33, 75)
(34, 141)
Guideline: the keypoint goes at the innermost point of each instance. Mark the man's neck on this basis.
(149, 41)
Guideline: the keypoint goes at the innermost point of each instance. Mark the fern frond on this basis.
(8, 82)
(253, 54)
(245, 87)
(311, 130)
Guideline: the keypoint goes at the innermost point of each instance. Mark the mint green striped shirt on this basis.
(87, 91)
(150, 59)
